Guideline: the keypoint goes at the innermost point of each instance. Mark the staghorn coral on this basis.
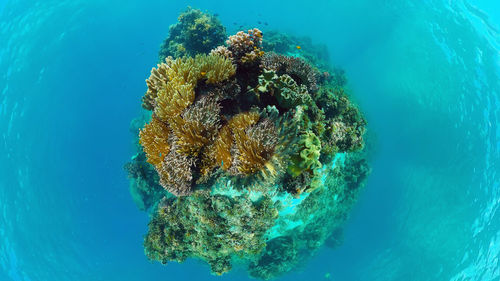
(195, 33)
(253, 157)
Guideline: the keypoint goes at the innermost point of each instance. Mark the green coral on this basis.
(209, 227)
(286, 44)
(308, 156)
(286, 91)
(195, 33)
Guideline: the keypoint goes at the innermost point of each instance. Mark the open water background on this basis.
(425, 73)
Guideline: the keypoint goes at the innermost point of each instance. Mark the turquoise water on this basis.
(425, 73)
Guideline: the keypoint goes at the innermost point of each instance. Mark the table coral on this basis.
(246, 156)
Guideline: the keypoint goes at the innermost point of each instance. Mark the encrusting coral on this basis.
(240, 146)
(210, 227)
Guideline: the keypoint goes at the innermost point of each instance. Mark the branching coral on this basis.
(243, 47)
(296, 67)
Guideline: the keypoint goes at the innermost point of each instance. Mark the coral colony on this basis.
(250, 152)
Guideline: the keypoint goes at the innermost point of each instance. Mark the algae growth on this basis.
(249, 153)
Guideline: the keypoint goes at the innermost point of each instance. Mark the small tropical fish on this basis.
(203, 73)
(298, 47)
(216, 15)
(265, 23)
(259, 22)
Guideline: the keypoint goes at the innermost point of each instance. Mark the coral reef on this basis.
(181, 128)
(244, 156)
(210, 227)
(318, 219)
(243, 47)
(295, 67)
(195, 33)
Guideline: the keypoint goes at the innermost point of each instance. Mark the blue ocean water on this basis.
(425, 73)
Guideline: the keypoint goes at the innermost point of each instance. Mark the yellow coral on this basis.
(184, 73)
(243, 120)
(153, 139)
(172, 86)
(173, 98)
(217, 68)
(222, 148)
(255, 145)
(308, 155)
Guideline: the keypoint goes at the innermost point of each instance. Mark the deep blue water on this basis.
(425, 73)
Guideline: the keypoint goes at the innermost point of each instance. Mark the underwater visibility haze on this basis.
(263, 140)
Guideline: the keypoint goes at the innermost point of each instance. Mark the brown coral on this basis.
(254, 148)
(155, 83)
(222, 51)
(176, 173)
(179, 121)
(153, 139)
(197, 126)
(243, 47)
(183, 74)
